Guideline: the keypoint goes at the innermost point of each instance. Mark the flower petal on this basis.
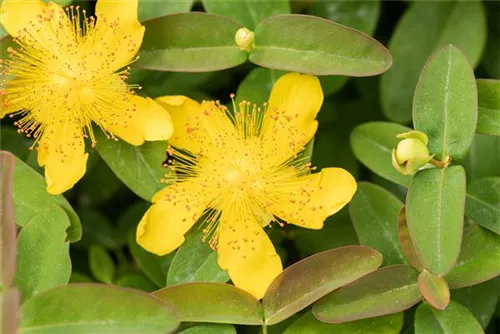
(62, 151)
(143, 120)
(185, 113)
(16, 15)
(308, 200)
(246, 252)
(120, 29)
(289, 122)
(175, 210)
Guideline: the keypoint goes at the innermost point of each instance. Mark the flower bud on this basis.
(411, 153)
(244, 39)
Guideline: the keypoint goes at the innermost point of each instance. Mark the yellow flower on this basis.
(67, 74)
(240, 171)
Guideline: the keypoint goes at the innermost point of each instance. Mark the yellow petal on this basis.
(185, 113)
(175, 210)
(308, 200)
(246, 252)
(290, 117)
(16, 15)
(121, 31)
(144, 119)
(62, 152)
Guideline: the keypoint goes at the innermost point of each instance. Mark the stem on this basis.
(441, 163)
(264, 329)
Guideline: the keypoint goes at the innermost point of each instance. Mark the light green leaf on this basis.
(101, 264)
(434, 212)
(372, 144)
(479, 300)
(210, 329)
(212, 302)
(292, 291)
(151, 9)
(479, 258)
(483, 203)
(445, 103)
(190, 42)
(257, 85)
(386, 291)
(374, 213)
(425, 27)
(308, 324)
(43, 258)
(488, 121)
(95, 308)
(247, 12)
(455, 319)
(311, 45)
(139, 167)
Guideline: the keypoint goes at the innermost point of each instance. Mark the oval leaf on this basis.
(389, 324)
(425, 27)
(455, 319)
(388, 290)
(152, 9)
(306, 281)
(7, 224)
(479, 258)
(195, 261)
(372, 144)
(101, 264)
(43, 258)
(434, 289)
(140, 168)
(95, 308)
(247, 12)
(374, 213)
(488, 120)
(483, 203)
(479, 300)
(313, 45)
(212, 302)
(190, 42)
(406, 242)
(445, 103)
(435, 215)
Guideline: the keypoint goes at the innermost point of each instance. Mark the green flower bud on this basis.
(411, 153)
(244, 39)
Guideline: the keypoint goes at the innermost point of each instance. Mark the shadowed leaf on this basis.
(405, 240)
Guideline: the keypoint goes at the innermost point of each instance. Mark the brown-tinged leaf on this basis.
(406, 242)
(9, 301)
(434, 289)
(7, 224)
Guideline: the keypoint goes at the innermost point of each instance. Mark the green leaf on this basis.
(210, 329)
(8, 231)
(43, 258)
(195, 261)
(77, 277)
(445, 103)
(483, 203)
(359, 15)
(475, 164)
(129, 219)
(190, 42)
(247, 12)
(9, 303)
(153, 266)
(257, 85)
(479, 258)
(95, 308)
(434, 289)
(332, 83)
(292, 290)
(425, 27)
(374, 213)
(212, 302)
(455, 319)
(101, 264)
(136, 281)
(311, 45)
(97, 229)
(31, 198)
(388, 290)
(434, 212)
(488, 120)
(479, 300)
(308, 324)
(139, 167)
(372, 144)
(151, 9)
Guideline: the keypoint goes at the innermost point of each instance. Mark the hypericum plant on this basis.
(416, 251)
